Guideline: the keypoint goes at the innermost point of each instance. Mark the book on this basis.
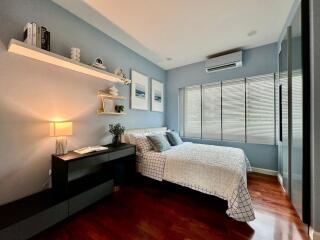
(47, 38)
(90, 149)
(27, 34)
(38, 36)
(43, 38)
(34, 34)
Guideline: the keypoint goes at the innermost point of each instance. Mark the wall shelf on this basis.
(101, 112)
(106, 95)
(108, 103)
(36, 53)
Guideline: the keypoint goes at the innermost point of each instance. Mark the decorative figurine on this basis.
(98, 63)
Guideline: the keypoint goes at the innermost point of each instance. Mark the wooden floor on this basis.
(149, 210)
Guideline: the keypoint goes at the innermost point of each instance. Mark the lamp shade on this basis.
(59, 129)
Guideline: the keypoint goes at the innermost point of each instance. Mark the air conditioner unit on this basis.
(223, 62)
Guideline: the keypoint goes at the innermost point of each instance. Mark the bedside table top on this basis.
(71, 156)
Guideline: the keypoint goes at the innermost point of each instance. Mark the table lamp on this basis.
(61, 130)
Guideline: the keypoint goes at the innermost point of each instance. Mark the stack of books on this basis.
(37, 36)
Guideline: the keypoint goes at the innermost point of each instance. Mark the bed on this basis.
(214, 170)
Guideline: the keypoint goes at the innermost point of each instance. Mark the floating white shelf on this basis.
(101, 112)
(36, 53)
(106, 95)
(108, 103)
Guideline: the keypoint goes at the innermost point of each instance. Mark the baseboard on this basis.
(265, 171)
(313, 235)
(280, 179)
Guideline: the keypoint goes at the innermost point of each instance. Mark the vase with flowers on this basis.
(116, 131)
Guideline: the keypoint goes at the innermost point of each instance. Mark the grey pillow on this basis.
(159, 142)
(174, 138)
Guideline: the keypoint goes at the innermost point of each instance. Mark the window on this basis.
(297, 103)
(211, 111)
(260, 109)
(192, 112)
(240, 110)
(233, 110)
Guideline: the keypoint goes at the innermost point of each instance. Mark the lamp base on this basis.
(61, 146)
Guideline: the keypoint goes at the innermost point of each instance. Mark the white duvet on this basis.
(215, 170)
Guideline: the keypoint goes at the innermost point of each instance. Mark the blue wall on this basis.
(68, 31)
(261, 60)
(33, 93)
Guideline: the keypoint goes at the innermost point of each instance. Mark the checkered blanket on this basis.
(214, 170)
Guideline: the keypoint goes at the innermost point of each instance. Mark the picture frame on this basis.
(107, 105)
(157, 96)
(139, 91)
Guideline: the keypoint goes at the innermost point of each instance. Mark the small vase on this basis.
(116, 140)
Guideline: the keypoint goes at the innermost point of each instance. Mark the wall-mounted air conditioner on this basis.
(223, 62)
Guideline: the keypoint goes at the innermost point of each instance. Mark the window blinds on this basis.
(233, 110)
(211, 111)
(277, 107)
(284, 84)
(192, 112)
(297, 103)
(240, 110)
(260, 109)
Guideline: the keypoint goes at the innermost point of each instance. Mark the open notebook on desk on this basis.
(85, 150)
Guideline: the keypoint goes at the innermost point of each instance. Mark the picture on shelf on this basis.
(108, 105)
(139, 91)
(157, 96)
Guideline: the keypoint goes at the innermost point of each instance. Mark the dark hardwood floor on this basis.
(150, 210)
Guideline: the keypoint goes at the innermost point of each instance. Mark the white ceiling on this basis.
(186, 31)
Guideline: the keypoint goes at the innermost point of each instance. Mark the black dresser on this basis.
(77, 182)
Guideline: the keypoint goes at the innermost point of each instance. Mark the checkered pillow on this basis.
(143, 144)
(132, 138)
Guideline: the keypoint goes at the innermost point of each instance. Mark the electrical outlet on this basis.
(50, 172)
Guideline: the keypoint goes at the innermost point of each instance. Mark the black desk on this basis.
(77, 182)
(84, 179)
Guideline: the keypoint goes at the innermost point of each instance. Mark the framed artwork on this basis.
(139, 91)
(157, 97)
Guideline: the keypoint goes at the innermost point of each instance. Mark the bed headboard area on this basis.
(142, 131)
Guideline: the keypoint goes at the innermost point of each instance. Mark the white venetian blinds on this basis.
(240, 110)
(260, 109)
(233, 110)
(297, 103)
(211, 111)
(192, 112)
